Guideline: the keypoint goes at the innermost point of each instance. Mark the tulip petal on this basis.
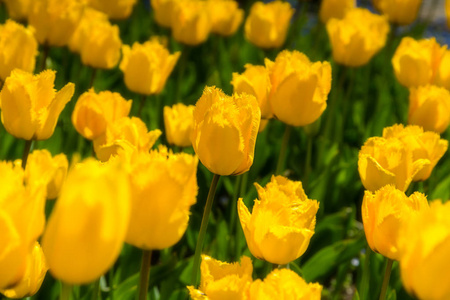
(373, 175)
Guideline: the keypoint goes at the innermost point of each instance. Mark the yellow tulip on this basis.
(424, 146)
(55, 20)
(51, 171)
(125, 134)
(224, 132)
(18, 9)
(19, 48)
(417, 62)
(401, 12)
(255, 81)
(101, 47)
(164, 187)
(383, 214)
(93, 112)
(424, 260)
(282, 222)
(115, 9)
(357, 37)
(89, 222)
(300, 88)
(190, 22)
(443, 73)
(22, 220)
(31, 106)
(147, 66)
(163, 11)
(267, 24)
(35, 270)
(178, 123)
(221, 280)
(283, 284)
(335, 9)
(225, 16)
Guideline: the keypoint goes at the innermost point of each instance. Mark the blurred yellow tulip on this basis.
(424, 247)
(282, 222)
(357, 37)
(443, 73)
(178, 123)
(88, 224)
(190, 22)
(335, 9)
(401, 12)
(31, 106)
(93, 112)
(267, 24)
(224, 132)
(163, 188)
(115, 9)
(383, 214)
(163, 11)
(447, 12)
(221, 280)
(18, 9)
(19, 48)
(147, 66)
(226, 17)
(300, 88)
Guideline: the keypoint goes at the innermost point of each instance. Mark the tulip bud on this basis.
(163, 11)
(93, 112)
(401, 12)
(101, 47)
(221, 280)
(19, 48)
(164, 187)
(357, 37)
(383, 214)
(88, 224)
(282, 222)
(300, 88)
(417, 62)
(190, 22)
(255, 81)
(283, 284)
(267, 24)
(89, 19)
(178, 122)
(424, 247)
(115, 9)
(147, 66)
(225, 16)
(18, 9)
(335, 9)
(55, 20)
(224, 132)
(30, 105)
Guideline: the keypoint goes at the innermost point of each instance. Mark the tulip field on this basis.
(224, 149)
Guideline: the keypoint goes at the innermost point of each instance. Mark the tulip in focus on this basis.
(178, 123)
(163, 188)
(31, 106)
(417, 62)
(267, 25)
(55, 20)
(255, 81)
(190, 22)
(335, 9)
(282, 222)
(284, 284)
(115, 9)
(163, 11)
(226, 16)
(19, 48)
(93, 112)
(424, 246)
(88, 224)
(35, 270)
(221, 280)
(147, 66)
(18, 9)
(300, 88)
(224, 132)
(401, 12)
(357, 37)
(383, 214)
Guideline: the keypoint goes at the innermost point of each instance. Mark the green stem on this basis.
(141, 106)
(145, 274)
(387, 275)
(308, 161)
(96, 289)
(203, 226)
(284, 145)
(111, 283)
(238, 232)
(44, 57)
(93, 75)
(181, 71)
(66, 290)
(26, 151)
(236, 194)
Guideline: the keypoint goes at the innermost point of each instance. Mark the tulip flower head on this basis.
(384, 212)
(357, 37)
(178, 123)
(163, 11)
(18, 9)
(282, 222)
(190, 22)
(300, 88)
(89, 19)
(443, 76)
(401, 12)
(335, 9)
(115, 9)
(267, 25)
(30, 105)
(224, 132)
(226, 16)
